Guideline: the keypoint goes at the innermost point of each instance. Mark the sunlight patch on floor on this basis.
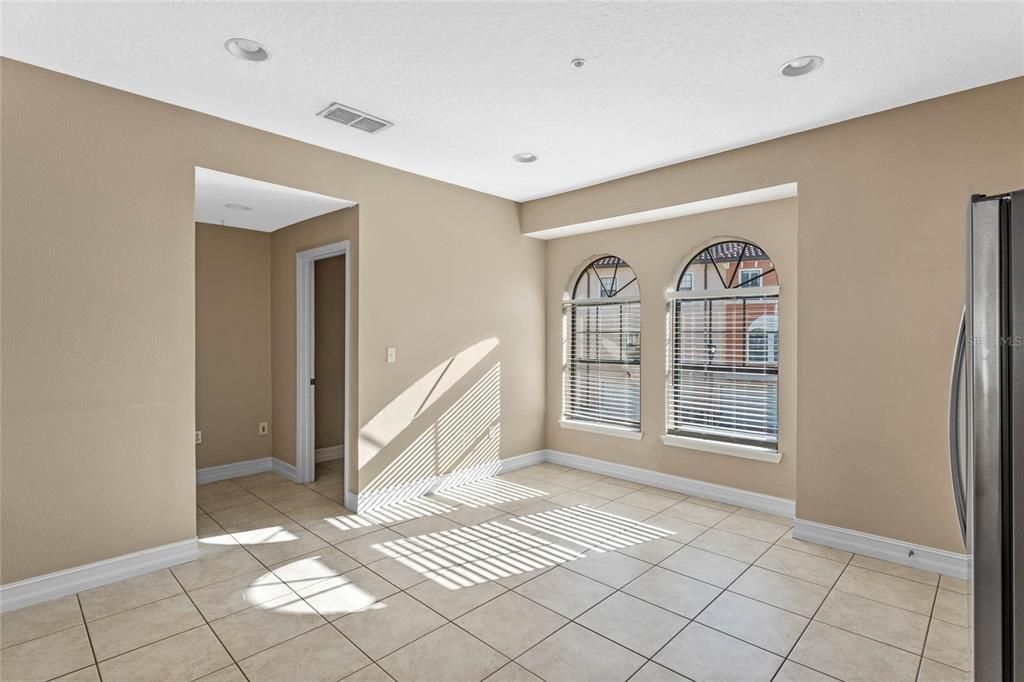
(471, 555)
(488, 492)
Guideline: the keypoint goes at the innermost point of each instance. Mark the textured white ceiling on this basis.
(470, 84)
(271, 206)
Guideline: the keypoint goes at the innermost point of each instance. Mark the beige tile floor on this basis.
(543, 573)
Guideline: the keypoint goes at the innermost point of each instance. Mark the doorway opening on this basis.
(250, 234)
(323, 333)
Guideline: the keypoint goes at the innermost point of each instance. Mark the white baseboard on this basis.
(926, 558)
(520, 461)
(897, 551)
(329, 454)
(245, 468)
(689, 486)
(373, 499)
(283, 468)
(61, 583)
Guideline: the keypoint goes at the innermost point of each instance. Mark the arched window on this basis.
(601, 376)
(724, 352)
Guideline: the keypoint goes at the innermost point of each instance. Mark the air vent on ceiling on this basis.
(354, 118)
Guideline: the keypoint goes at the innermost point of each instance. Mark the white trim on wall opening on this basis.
(722, 448)
(603, 429)
(754, 196)
(305, 465)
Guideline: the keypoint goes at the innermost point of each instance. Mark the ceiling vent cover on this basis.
(354, 118)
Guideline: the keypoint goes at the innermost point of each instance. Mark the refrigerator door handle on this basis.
(959, 493)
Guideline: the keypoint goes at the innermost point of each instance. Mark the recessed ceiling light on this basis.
(578, 62)
(243, 48)
(238, 207)
(801, 65)
(525, 157)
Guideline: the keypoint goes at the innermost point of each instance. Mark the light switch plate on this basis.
(392, 355)
(199, 437)
(263, 428)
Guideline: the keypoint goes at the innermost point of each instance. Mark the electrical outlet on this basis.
(199, 437)
(392, 354)
(264, 428)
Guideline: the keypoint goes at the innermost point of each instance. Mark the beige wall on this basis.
(459, 280)
(329, 345)
(285, 243)
(880, 251)
(245, 328)
(98, 328)
(98, 306)
(657, 252)
(232, 343)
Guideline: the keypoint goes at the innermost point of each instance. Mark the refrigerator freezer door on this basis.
(984, 416)
(1014, 411)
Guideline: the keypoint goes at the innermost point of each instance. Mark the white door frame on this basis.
(305, 467)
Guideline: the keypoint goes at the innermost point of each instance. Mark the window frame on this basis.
(771, 341)
(605, 281)
(629, 345)
(748, 444)
(745, 283)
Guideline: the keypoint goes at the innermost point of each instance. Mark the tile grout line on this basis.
(48, 634)
(876, 601)
(210, 627)
(298, 596)
(888, 605)
(88, 636)
(234, 577)
(331, 623)
(722, 591)
(846, 565)
(143, 646)
(648, 659)
(485, 602)
(615, 591)
(927, 631)
(694, 619)
(376, 661)
(834, 588)
(306, 632)
(813, 616)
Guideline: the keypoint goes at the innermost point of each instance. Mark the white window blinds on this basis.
(724, 348)
(602, 350)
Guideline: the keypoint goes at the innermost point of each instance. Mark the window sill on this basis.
(604, 430)
(718, 448)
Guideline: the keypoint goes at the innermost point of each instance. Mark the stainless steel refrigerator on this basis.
(987, 432)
